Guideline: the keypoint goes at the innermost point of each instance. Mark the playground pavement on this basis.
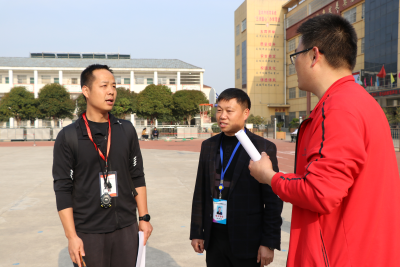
(31, 231)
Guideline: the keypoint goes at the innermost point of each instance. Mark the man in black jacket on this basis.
(94, 179)
(249, 228)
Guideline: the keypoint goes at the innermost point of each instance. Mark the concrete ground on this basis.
(31, 232)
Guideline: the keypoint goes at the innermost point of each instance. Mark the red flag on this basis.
(371, 81)
(382, 73)
(365, 82)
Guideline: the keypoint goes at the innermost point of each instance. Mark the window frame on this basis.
(292, 93)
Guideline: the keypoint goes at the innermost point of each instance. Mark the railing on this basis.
(28, 134)
(395, 137)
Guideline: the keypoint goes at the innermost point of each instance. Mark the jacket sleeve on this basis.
(198, 204)
(335, 157)
(273, 205)
(136, 161)
(62, 172)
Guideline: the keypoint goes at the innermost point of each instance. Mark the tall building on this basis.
(259, 55)
(272, 84)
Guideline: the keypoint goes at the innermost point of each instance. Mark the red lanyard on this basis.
(91, 138)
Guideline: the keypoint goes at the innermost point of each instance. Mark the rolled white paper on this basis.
(248, 145)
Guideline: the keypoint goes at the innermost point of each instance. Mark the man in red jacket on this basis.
(345, 189)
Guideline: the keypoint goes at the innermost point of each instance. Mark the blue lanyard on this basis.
(221, 153)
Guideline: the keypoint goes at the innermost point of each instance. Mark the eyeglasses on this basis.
(293, 56)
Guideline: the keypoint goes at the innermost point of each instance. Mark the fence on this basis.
(395, 138)
(28, 134)
(179, 132)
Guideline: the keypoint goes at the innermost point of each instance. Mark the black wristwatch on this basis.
(271, 248)
(145, 218)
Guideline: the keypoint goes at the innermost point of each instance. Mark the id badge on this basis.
(220, 211)
(112, 178)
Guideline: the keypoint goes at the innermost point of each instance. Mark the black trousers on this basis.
(219, 253)
(116, 249)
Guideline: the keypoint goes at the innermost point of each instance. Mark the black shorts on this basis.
(116, 249)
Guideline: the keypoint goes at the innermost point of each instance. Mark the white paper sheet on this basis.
(141, 256)
(248, 145)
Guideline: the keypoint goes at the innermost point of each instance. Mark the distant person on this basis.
(145, 136)
(346, 187)
(97, 166)
(155, 133)
(249, 229)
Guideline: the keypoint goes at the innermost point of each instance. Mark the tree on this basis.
(294, 123)
(125, 103)
(186, 103)
(55, 102)
(80, 104)
(257, 120)
(392, 115)
(154, 101)
(19, 103)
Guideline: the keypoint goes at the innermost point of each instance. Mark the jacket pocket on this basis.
(323, 249)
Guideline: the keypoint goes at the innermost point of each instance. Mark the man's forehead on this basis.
(231, 102)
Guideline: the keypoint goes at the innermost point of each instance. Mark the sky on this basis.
(200, 33)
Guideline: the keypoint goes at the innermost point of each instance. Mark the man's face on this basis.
(303, 67)
(102, 94)
(231, 116)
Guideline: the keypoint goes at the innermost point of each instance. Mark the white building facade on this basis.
(40, 69)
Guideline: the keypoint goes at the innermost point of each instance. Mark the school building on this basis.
(265, 36)
(39, 69)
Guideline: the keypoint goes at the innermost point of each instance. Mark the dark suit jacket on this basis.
(254, 211)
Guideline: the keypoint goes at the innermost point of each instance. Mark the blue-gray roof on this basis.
(83, 63)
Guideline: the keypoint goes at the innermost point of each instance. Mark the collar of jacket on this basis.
(113, 120)
(333, 88)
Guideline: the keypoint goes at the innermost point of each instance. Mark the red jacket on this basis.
(346, 187)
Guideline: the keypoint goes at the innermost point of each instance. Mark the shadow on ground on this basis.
(154, 258)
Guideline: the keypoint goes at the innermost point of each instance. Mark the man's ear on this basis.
(316, 56)
(246, 113)
(85, 91)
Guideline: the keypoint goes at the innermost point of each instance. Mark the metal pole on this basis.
(274, 128)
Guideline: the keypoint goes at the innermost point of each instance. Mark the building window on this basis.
(162, 80)
(292, 93)
(139, 80)
(74, 80)
(363, 11)
(237, 30)
(237, 74)
(149, 80)
(237, 50)
(46, 79)
(244, 63)
(292, 69)
(302, 93)
(7, 80)
(350, 15)
(292, 115)
(118, 79)
(32, 80)
(302, 114)
(244, 25)
(21, 78)
(127, 80)
(362, 45)
(172, 81)
(292, 44)
(56, 80)
(1, 79)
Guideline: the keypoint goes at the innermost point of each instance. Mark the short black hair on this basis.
(241, 97)
(87, 76)
(334, 36)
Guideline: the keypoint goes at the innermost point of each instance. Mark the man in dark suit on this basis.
(249, 229)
